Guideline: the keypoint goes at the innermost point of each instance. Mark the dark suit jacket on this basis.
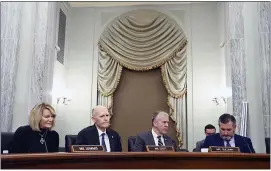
(90, 136)
(146, 138)
(243, 143)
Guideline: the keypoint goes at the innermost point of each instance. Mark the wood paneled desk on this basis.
(136, 160)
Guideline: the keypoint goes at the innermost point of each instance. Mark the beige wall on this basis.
(205, 76)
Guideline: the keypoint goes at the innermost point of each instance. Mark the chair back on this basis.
(131, 142)
(69, 141)
(267, 144)
(6, 138)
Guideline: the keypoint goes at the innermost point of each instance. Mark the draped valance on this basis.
(142, 40)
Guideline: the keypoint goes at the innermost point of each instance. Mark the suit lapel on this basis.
(96, 137)
(150, 139)
(220, 141)
(111, 139)
(236, 141)
(166, 140)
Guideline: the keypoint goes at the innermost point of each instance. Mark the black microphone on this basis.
(247, 144)
(46, 146)
(46, 131)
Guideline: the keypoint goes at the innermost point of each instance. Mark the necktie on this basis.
(103, 142)
(228, 143)
(159, 141)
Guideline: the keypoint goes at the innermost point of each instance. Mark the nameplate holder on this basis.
(153, 148)
(5, 151)
(218, 149)
(86, 148)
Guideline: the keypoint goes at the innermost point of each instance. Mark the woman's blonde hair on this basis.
(36, 115)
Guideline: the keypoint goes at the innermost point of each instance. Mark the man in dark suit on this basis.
(157, 136)
(227, 136)
(208, 130)
(100, 133)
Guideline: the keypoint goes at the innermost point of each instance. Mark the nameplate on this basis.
(86, 148)
(153, 148)
(218, 149)
(5, 151)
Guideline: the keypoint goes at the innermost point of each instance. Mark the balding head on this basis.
(160, 121)
(101, 117)
(98, 109)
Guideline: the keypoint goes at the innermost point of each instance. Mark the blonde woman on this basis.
(38, 136)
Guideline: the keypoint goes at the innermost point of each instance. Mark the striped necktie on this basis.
(228, 143)
(103, 142)
(160, 143)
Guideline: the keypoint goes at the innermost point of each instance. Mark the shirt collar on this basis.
(100, 131)
(154, 134)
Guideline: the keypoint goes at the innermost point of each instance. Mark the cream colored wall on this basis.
(205, 64)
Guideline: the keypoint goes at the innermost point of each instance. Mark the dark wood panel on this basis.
(129, 160)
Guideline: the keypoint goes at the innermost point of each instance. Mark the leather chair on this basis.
(179, 149)
(131, 142)
(267, 145)
(69, 141)
(6, 138)
(61, 149)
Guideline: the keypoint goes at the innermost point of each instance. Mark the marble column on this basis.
(237, 57)
(44, 53)
(36, 56)
(265, 53)
(10, 36)
(249, 51)
(254, 75)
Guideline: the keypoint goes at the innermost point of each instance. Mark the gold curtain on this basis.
(142, 40)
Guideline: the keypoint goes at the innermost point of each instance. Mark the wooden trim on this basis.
(136, 160)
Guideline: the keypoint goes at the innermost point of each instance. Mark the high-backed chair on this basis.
(131, 142)
(69, 141)
(6, 138)
(61, 149)
(181, 150)
(267, 145)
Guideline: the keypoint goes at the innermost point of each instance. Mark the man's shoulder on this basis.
(241, 137)
(87, 129)
(212, 137)
(112, 131)
(144, 134)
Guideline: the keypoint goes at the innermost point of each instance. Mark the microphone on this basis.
(45, 140)
(246, 144)
(46, 146)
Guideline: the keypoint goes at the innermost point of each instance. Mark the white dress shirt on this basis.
(156, 139)
(106, 139)
(232, 142)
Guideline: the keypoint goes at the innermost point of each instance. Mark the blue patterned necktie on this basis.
(103, 142)
(159, 141)
(228, 143)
